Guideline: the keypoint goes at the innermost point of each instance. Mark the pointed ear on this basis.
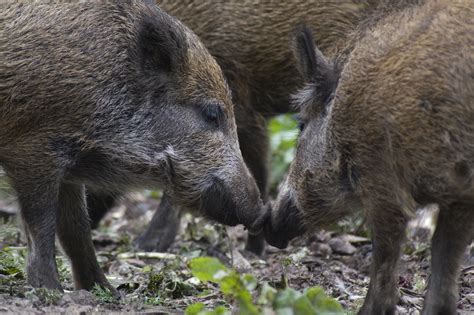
(161, 44)
(314, 66)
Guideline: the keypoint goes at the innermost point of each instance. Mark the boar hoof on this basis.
(440, 309)
(278, 243)
(156, 241)
(37, 278)
(256, 244)
(377, 309)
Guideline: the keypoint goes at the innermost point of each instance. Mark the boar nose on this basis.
(232, 202)
(285, 222)
(251, 204)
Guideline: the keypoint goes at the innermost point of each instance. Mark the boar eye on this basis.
(301, 126)
(300, 123)
(213, 114)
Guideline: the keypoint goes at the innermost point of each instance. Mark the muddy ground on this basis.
(336, 260)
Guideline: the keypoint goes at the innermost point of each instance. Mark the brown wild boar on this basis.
(250, 41)
(389, 131)
(115, 96)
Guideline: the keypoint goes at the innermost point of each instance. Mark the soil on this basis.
(337, 261)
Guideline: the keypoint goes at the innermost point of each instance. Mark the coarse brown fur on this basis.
(115, 96)
(251, 42)
(394, 133)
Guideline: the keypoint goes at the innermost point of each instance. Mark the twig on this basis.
(231, 247)
(148, 255)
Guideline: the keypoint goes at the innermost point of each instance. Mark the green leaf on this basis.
(221, 310)
(11, 263)
(246, 306)
(238, 290)
(104, 295)
(207, 268)
(194, 309)
(283, 137)
(250, 282)
(199, 309)
(231, 284)
(267, 294)
(303, 306)
(322, 302)
(285, 298)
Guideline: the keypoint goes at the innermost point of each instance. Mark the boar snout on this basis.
(260, 223)
(232, 204)
(284, 223)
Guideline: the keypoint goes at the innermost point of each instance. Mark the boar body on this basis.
(392, 131)
(114, 96)
(251, 42)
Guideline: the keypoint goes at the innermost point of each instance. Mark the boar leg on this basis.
(98, 204)
(38, 201)
(162, 229)
(388, 231)
(253, 139)
(256, 243)
(454, 231)
(75, 236)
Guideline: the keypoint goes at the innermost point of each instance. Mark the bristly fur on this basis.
(397, 134)
(304, 98)
(110, 95)
(251, 42)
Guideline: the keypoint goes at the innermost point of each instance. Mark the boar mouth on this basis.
(217, 204)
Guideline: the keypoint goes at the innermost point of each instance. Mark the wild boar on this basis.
(114, 96)
(389, 130)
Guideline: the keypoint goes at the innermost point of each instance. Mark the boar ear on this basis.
(314, 66)
(161, 45)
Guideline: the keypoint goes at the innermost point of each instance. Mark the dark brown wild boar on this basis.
(115, 96)
(250, 41)
(392, 130)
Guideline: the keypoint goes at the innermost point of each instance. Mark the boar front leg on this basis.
(75, 236)
(454, 231)
(162, 229)
(388, 231)
(38, 198)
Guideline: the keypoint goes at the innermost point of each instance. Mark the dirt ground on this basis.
(162, 283)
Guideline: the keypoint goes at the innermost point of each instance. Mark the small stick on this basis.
(147, 255)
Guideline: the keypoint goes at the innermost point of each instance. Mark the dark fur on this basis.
(251, 42)
(115, 96)
(398, 134)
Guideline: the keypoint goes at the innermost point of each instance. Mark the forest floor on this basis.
(162, 283)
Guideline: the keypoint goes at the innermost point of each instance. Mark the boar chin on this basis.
(221, 204)
(284, 224)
